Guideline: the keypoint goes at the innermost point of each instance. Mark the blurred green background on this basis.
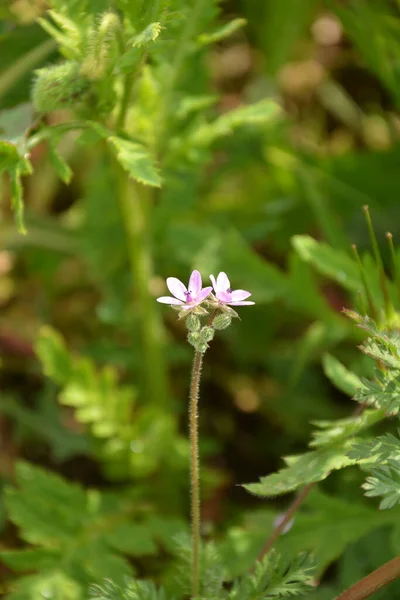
(99, 395)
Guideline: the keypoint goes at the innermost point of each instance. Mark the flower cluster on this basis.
(190, 302)
(191, 297)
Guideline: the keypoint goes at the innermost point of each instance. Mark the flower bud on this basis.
(193, 322)
(201, 346)
(206, 334)
(193, 338)
(99, 55)
(222, 321)
(60, 86)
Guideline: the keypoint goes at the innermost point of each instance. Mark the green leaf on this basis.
(17, 199)
(264, 112)
(329, 261)
(384, 481)
(9, 156)
(132, 538)
(333, 432)
(49, 583)
(301, 470)
(383, 392)
(62, 169)
(376, 450)
(134, 590)
(84, 533)
(222, 32)
(345, 380)
(275, 577)
(334, 519)
(150, 34)
(136, 161)
(46, 422)
(52, 352)
(14, 124)
(28, 559)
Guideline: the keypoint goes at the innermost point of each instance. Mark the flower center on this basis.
(189, 297)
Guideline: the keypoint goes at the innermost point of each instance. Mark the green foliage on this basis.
(60, 86)
(334, 432)
(275, 578)
(136, 161)
(136, 590)
(78, 536)
(384, 481)
(342, 378)
(132, 438)
(303, 469)
(329, 261)
(244, 128)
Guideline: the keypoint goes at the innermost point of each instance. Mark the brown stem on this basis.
(373, 582)
(292, 509)
(286, 519)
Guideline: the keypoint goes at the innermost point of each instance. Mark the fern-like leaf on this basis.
(275, 577)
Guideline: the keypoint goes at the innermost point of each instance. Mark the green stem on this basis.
(177, 63)
(134, 207)
(195, 477)
(126, 97)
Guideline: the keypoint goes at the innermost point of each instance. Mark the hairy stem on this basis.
(373, 582)
(195, 468)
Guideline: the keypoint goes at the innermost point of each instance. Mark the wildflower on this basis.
(186, 298)
(225, 295)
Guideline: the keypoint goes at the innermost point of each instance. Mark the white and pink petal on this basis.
(238, 295)
(177, 288)
(202, 295)
(223, 283)
(195, 284)
(169, 300)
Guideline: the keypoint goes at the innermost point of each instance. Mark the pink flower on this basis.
(225, 295)
(183, 297)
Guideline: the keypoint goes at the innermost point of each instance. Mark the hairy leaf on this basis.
(136, 161)
(306, 468)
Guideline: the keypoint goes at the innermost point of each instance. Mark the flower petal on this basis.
(238, 295)
(213, 282)
(225, 297)
(169, 300)
(176, 288)
(223, 283)
(202, 295)
(195, 284)
(242, 303)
